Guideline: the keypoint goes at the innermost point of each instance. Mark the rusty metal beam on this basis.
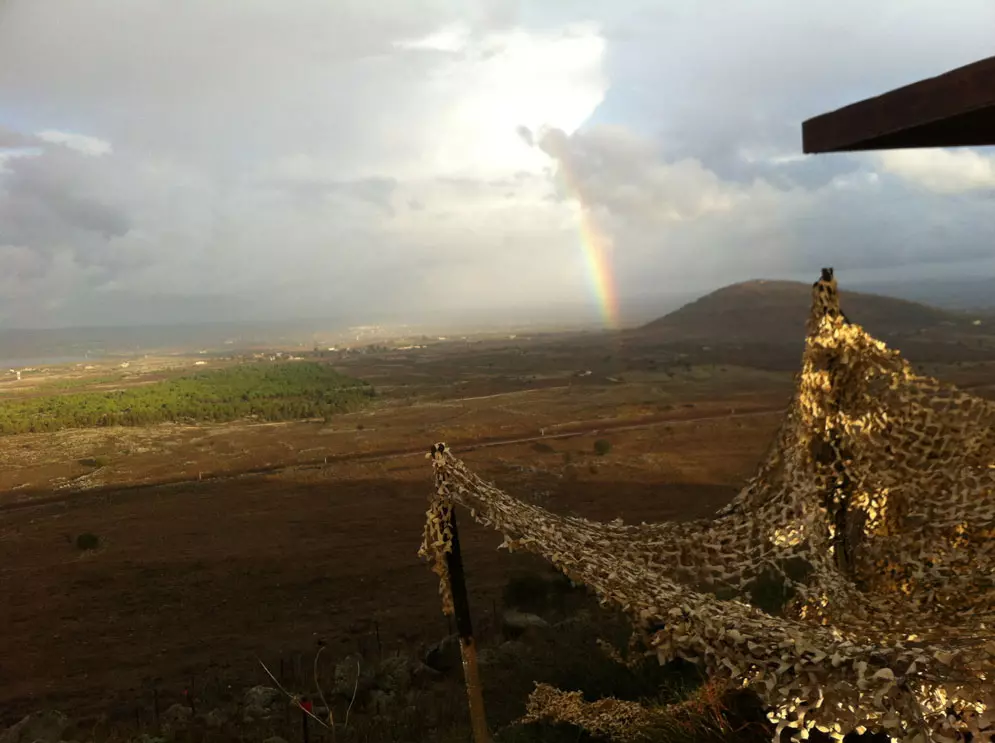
(955, 109)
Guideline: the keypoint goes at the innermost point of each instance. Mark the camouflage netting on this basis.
(871, 517)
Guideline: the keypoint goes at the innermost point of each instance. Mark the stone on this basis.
(514, 649)
(422, 674)
(263, 696)
(394, 674)
(216, 718)
(176, 716)
(46, 726)
(353, 677)
(254, 712)
(508, 652)
(514, 623)
(380, 702)
(488, 657)
(445, 655)
(580, 620)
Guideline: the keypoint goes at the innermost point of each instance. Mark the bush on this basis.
(87, 541)
(96, 462)
(264, 391)
(542, 448)
(602, 447)
(537, 591)
(526, 591)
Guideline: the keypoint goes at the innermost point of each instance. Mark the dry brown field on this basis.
(221, 544)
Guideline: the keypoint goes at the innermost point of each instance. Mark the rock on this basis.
(274, 739)
(216, 718)
(514, 649)
(422, 674)
(263, 696)
(380, 702)
(508, 652)
(46, 726)
(395, 674)
(515, 623)
(176, 717)
(254, 712)
(444, 656)
(353, 677)
(489, 657)
(581, 619)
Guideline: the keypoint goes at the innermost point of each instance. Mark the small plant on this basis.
(602, 447)
(95, 462)
(87, 541)
(542, 448)
(526, 591)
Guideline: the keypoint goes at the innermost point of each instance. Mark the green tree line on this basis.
(266, 391)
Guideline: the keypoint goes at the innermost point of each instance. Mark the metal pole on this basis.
(468, 648)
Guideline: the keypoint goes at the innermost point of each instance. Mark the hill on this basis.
(774, 312)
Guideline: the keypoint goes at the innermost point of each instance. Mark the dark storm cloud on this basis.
(46, 202)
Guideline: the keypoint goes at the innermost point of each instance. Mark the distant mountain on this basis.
(775, 312)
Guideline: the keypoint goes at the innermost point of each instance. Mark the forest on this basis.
(263, 391)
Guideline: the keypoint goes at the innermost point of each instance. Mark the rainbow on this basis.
(597, 249)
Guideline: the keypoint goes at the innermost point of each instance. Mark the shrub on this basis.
(87, 541)
(602, 447)
(95, 462)
(263, 391)
(542, 448)
(527, 591)
(537, 591)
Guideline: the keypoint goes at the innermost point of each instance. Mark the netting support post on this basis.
(464, 627)
(838, 497)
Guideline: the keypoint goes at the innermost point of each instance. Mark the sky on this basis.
(177, 160)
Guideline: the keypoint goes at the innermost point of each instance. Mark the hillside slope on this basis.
(775, 312)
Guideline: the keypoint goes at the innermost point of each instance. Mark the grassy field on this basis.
(264, 391)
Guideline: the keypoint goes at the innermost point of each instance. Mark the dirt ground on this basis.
(200, 576)
(248, 542)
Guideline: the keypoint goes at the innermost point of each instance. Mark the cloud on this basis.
(677, 217)
(944, 171)
(413, 156)
(15, 140)
(451, 38)
(624, 173)
(92, 146)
